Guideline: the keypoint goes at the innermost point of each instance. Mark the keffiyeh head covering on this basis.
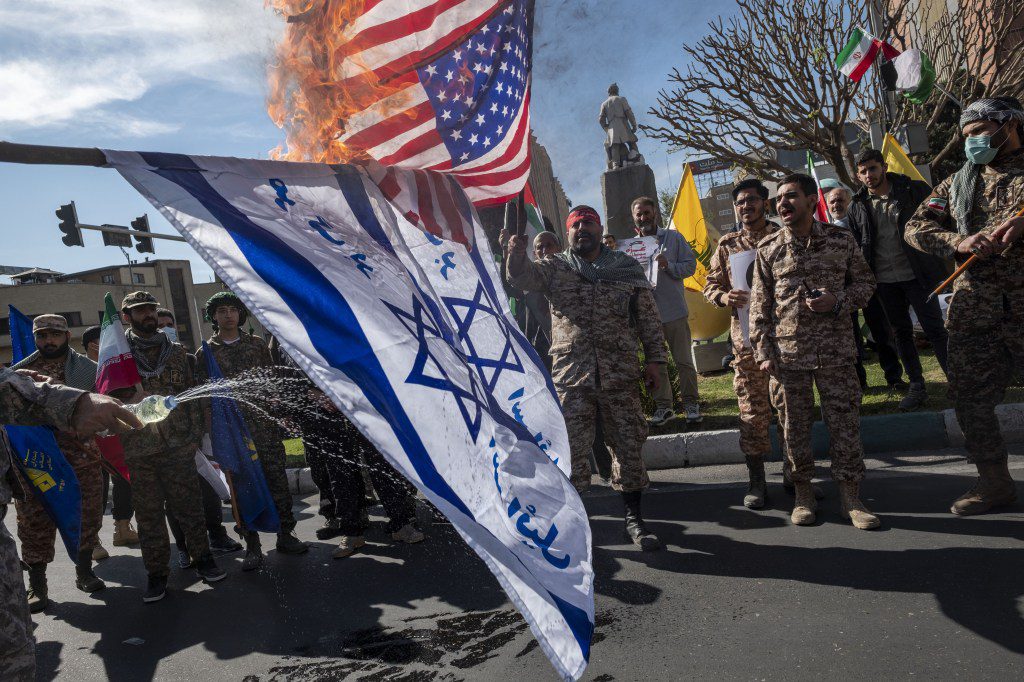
(965, 181)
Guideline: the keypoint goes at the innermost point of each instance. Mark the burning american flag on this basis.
(441, 85)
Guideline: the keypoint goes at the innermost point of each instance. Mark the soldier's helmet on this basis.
(137, 298)
(613, 89)
(225, 298)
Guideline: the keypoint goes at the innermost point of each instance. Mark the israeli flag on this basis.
(381, 285)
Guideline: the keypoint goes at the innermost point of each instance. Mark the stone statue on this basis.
(617, 120)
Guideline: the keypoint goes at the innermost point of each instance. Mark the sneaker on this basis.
(184, 560)
(330, 529)
(223, 545)
(348, 546)
(693, 414)
(287, 543)
(409, 534)
(156, 589)
(915, 398)
(660, 416)
(209, 571)
(99, 553)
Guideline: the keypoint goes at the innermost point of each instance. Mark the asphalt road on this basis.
(736, 595)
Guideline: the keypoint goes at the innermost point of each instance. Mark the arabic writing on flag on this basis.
(410, 335)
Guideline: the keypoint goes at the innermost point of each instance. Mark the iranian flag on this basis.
(821, 213)
(858, 54)
(534, 219)
(116, 367)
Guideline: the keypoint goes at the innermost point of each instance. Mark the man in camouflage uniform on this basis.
(808, 276)
(161, 457)
(597, 296)
(975, 212)
(235, 352)
(56, 360)
(25, 402)
(753, 387)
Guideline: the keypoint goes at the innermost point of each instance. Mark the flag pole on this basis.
(234, 502)
(948, 94)
(521, 212)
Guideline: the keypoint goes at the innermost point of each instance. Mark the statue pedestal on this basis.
(619, 187)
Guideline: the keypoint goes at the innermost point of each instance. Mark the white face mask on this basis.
(171, 332)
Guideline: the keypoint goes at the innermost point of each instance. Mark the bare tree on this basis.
(765, 79)
(978, 51)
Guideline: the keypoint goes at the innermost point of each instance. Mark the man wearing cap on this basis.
(974, 212)
(54, 358)
(601, 301)
(237, 351)
(161, 457)
(26, 402)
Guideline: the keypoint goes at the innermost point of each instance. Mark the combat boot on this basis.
(757, 492)
(850, 507)
(636, 530)
(85, 579)
(804, 506)
(253, 552)
(787, 482)
(994, 487)
(38, 598)
(287, 543)
(124, 534)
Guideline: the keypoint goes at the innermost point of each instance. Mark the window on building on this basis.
(107, 279)
(723, 197)
(5, 325)
(725, 211)
(74, 319)
(138, 278)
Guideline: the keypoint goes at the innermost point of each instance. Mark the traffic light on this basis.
(69, 225)
(143, 244)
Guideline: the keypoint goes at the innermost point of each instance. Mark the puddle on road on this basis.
(426, 650)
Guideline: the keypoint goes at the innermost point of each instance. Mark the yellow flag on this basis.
(688, 220)
(897, 159)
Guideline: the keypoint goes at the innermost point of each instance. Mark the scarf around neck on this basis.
(610, 266)
(140, 346)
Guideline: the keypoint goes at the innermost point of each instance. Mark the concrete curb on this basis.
(879, 434)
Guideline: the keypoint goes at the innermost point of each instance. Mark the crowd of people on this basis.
(591, 312)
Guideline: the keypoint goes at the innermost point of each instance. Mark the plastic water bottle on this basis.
(153, 408)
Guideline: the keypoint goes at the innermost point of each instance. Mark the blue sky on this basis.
(189, 76)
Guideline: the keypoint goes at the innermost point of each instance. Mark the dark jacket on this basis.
(908, 195)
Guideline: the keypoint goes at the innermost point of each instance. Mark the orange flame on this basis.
(306, 98)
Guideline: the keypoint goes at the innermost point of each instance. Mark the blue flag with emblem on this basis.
(39, 459)
(388, 298)
(235, 451)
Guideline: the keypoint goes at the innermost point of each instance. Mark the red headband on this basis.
(581, 213)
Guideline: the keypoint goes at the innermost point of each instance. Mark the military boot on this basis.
(253, 552)
(636, 530)
(805, 504)
(124, 534)
(85, 579)
(287, 543)
(994, 487)
(787, 481)
(38, 598)
(757, 492)
(850, 507)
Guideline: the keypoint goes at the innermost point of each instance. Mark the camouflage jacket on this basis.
(592, 340)
(991, 289)
(183, 428)
(24, 402)
(719, 282)
(786, 269)
(70, 444)
(249, 352)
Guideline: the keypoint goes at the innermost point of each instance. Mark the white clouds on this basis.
(82, 61)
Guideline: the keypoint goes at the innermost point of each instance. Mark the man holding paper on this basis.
(728, 284)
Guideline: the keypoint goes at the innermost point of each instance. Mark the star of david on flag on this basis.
(400, 318)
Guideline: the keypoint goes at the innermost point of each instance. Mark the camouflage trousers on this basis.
(35, 528)
(982, 363)
(17, 645)
(754, 395)
(839, 389)
(272, 460)
(624, 427)
(167, 478)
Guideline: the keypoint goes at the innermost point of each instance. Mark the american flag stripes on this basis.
(458, 99)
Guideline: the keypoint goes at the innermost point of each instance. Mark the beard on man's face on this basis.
(145, 326)
(51, 351)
